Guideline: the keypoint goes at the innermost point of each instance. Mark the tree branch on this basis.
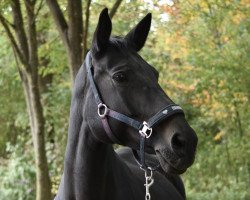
(59, 20)
(86, 28)
(8, 22)
(17, 65)
(40, 6)
(115, 8)
(19, 29)
(12, 39)
(31, 33)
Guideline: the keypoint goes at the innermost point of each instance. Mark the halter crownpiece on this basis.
(145, 129)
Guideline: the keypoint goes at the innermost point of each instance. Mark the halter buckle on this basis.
(102, 106)
(146, 131)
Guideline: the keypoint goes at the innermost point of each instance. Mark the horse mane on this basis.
(120, 43)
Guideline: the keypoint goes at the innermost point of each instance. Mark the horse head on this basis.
(129, 85)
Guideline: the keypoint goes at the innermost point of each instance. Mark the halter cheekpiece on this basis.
(145, 129)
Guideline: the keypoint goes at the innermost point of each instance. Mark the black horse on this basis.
(128, 85)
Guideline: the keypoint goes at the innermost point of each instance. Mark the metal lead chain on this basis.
(148, 183)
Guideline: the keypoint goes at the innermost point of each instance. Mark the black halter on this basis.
(144, 128)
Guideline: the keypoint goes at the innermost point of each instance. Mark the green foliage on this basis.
(18, 172)
(221, 171)
(213, 38)
(13, 117)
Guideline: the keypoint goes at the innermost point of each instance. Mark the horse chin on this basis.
(149, 150)
(168, 166)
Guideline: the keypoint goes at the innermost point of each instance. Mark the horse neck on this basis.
(89, 164)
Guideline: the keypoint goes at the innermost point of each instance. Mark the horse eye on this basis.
(120, 77)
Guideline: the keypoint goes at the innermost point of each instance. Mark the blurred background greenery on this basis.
(201, 49)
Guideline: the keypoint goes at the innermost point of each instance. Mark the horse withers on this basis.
(117, 99)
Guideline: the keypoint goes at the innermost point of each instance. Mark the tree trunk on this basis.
(75, 34)
(114, 8)
(71, 32)
(37, 124)
(86, 28)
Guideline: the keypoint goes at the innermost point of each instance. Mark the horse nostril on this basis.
(178, 143)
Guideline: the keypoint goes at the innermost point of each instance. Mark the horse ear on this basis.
(102, 33)
(137, 37)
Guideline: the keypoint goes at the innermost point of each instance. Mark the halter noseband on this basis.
(145, 129)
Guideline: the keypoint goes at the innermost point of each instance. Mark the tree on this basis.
(25, 46)
(23, 36)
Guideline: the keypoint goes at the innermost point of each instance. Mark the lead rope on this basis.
(145, 133)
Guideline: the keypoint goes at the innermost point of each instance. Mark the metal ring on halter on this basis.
(102, 106)
(146, 131)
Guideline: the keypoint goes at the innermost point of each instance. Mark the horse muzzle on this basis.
(174, 149)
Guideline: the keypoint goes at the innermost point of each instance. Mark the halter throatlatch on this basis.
(145, 129)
